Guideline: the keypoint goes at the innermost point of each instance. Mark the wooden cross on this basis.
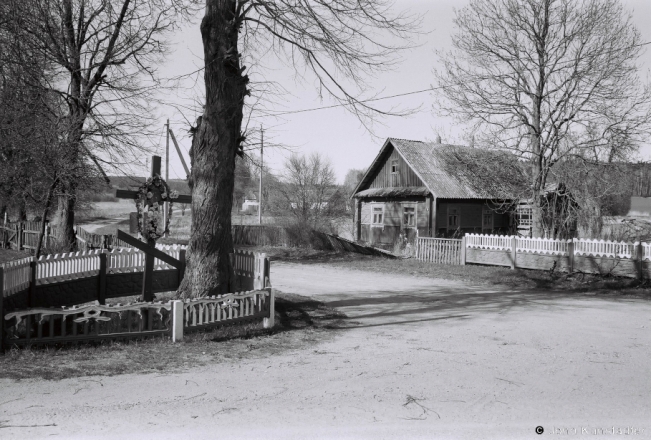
(149, 248)
(155, 169)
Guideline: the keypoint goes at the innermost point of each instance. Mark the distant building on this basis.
(250, 202)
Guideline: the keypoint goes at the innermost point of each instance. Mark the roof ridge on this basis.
(408, 140)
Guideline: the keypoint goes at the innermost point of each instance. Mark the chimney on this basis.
(472, 141)
(438, 138)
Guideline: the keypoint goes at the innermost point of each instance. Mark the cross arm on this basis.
(148, 249)
(126, 194)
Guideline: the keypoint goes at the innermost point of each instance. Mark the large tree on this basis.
(338, 42)
(550, 80)
(101, 56)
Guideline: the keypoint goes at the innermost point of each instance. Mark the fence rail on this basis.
(439, 250)
(40, 326)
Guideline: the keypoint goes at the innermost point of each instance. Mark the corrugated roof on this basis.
(457, 172)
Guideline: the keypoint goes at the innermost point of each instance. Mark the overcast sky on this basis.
(335, 132)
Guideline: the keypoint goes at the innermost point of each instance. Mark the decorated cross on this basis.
(150, 199)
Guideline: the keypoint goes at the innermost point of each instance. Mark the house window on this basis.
(487, 219)
(378, 215)
(409, 216)
(395, 174)
(524, 215)
(453, 218)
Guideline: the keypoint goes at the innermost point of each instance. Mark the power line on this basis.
(384, 97)
(365, 100)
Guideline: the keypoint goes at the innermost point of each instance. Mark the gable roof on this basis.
(454, 171)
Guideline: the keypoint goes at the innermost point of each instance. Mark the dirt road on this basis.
(418, 358)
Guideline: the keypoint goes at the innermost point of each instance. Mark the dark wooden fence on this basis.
(24, 235)
(33, 291)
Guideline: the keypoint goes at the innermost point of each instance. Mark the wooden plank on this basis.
(126, 194)
(149, 250)
(32, 284)
(101, 278)
(2, 313)
(147, 278)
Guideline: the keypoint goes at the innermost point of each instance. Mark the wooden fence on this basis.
(584, 255)
(24, 235)
(94, 323)
(21, 326)
(206, 313)
(439, 250)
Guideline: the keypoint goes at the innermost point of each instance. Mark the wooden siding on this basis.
(470, 215)
(393, 212)
(389, 233)
(407, 176)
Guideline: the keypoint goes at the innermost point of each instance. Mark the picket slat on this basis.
(439, 250)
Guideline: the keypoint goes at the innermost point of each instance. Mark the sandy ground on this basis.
(419, 358)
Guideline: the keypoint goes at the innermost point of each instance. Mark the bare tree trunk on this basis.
(214, 147)
(66, 217)
(46, 211)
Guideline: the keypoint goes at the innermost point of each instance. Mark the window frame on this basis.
(375, 206)
(484, 212)
(524, 211)
(395, 163)
(413, 206)
(453, 211)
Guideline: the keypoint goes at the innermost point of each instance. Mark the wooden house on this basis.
(433, 189)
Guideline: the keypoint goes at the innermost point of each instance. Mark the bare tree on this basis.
(101, 57)
(306, 191)
(549, 80)
(338, 42)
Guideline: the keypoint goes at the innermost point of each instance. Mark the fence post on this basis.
(639, 260)
(258, 276)
(570, 256)
(101, 291)
(270, 321)
(463, 251)
(32, 283)
(513, 252)
(177, 320)
(182, 268)
(2, 312)
(19, 235)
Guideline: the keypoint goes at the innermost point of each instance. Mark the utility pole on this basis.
(260, 189)
(166, 205)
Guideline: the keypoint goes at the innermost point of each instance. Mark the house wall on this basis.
(406, 176)
(470, 214)
(392, 227)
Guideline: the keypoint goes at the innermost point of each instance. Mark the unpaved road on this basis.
(420, 358)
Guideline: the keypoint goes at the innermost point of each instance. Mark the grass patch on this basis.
(300, 322)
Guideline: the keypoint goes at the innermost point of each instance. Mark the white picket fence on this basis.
(583, 247)
(542, 246)
(67, 266)
(495, 242)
